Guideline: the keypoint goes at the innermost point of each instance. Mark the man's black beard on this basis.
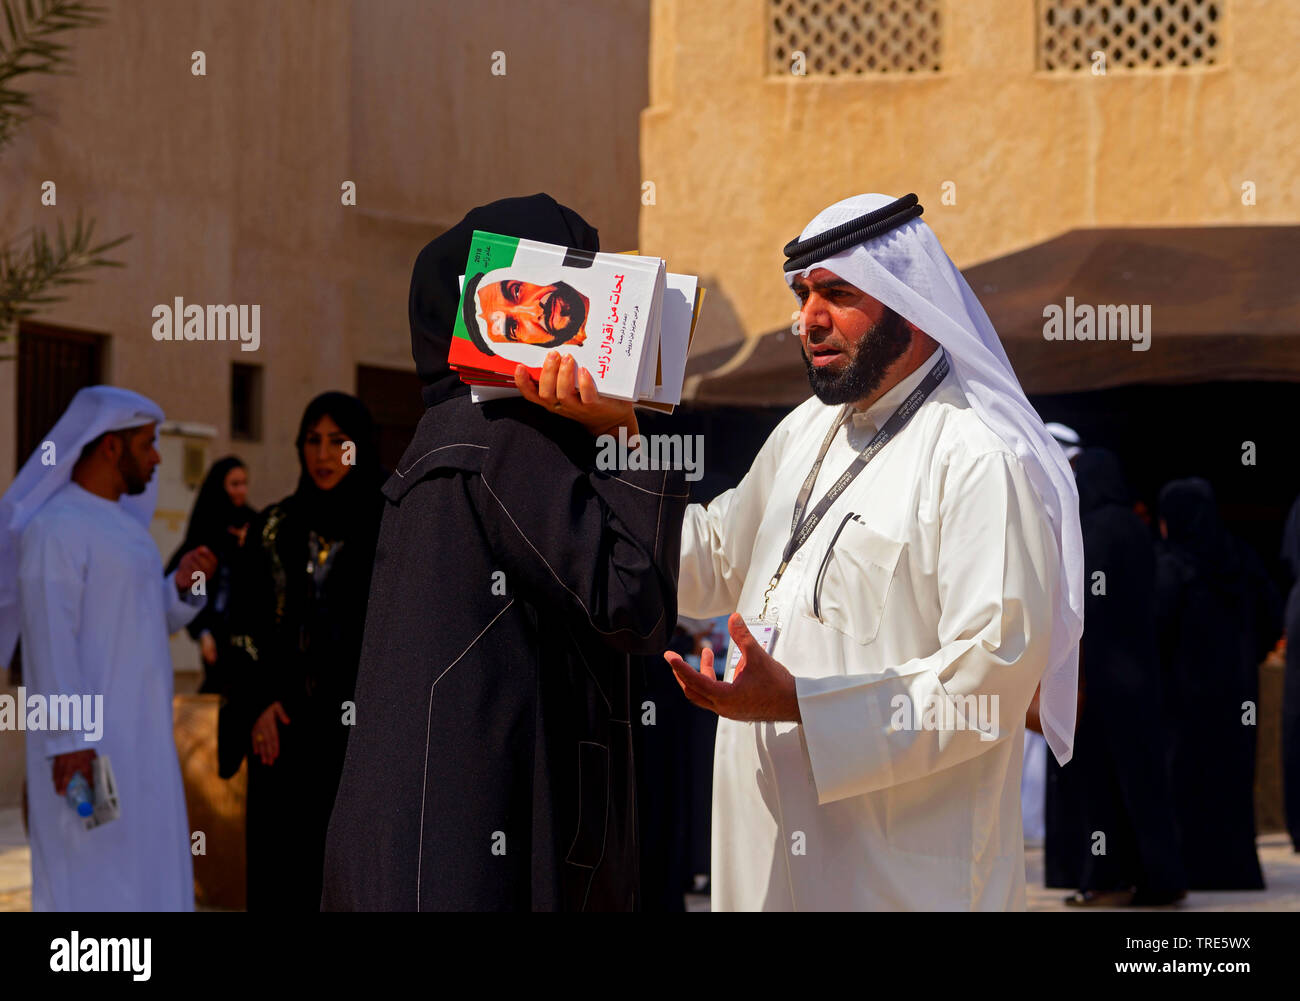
(878, 348)
(136, 481)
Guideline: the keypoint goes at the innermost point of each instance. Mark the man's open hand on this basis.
(763, 690)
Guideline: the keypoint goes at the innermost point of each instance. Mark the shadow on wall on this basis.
(719, 326)
(727, 369)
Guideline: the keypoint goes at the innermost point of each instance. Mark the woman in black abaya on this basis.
(218, 520)
(492, 765)
(301, 594)
(1119, 756)
(1207, 605)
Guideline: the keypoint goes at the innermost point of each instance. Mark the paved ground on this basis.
(1281, 873)
(15, 863)
(1281, 877)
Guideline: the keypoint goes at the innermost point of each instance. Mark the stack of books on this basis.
(624, 318)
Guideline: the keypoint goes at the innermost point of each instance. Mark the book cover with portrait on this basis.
(522, 299)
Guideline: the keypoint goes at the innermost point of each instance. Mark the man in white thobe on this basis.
(82, 581)
(941, 586)
(870, 760)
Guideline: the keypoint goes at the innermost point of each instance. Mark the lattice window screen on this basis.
(1154, 34)
(853, 37)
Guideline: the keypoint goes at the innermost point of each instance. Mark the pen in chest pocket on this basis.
(821, 570)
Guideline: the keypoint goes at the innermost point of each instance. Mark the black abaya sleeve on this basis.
(251, 654)
(599, 547)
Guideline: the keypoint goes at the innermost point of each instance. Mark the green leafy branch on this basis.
(29, 274)
(28, 46)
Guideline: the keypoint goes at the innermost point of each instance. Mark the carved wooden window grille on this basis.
(853, 37)
(1133, 34)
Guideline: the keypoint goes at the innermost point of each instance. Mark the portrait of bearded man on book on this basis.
(509, 309)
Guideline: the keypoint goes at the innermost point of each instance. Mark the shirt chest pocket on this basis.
(851, 581)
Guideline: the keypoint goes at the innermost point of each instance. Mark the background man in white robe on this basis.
(82, 580)
(850, 771)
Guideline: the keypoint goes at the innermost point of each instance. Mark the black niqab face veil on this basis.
(435, 286)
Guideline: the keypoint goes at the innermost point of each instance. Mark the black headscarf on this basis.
(350, 504)
(213, 514)
(1100, 480)
(435, 290)
(1194, 528)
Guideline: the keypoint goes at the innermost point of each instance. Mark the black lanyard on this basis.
(801, 527)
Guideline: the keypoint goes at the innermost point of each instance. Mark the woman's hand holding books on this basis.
(571, 392)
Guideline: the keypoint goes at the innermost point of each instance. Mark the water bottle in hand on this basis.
(79, 797)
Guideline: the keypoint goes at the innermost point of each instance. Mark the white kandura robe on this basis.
(946, 588)
(96, 614)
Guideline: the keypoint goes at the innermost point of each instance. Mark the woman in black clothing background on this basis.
(218, 520)
(1217, 616)
(300, 607)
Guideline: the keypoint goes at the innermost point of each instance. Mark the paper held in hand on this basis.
(763, 630)
(105, 793)
(623, 317)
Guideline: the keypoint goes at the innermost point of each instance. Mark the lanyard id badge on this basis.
(763, 630)
(801, 527)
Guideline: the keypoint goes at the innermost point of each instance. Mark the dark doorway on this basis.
(53, 363)
(1167, 432)
(393, 396)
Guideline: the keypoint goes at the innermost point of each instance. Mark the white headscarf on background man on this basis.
(93, 411)
(906, 269)
(1066, 437)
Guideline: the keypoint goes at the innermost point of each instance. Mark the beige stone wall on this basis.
(741, 160)
(230, 183)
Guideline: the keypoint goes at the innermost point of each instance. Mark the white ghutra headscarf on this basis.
(93, 411)
(907, 270)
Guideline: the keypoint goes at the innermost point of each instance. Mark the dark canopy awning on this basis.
(1225, 304)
